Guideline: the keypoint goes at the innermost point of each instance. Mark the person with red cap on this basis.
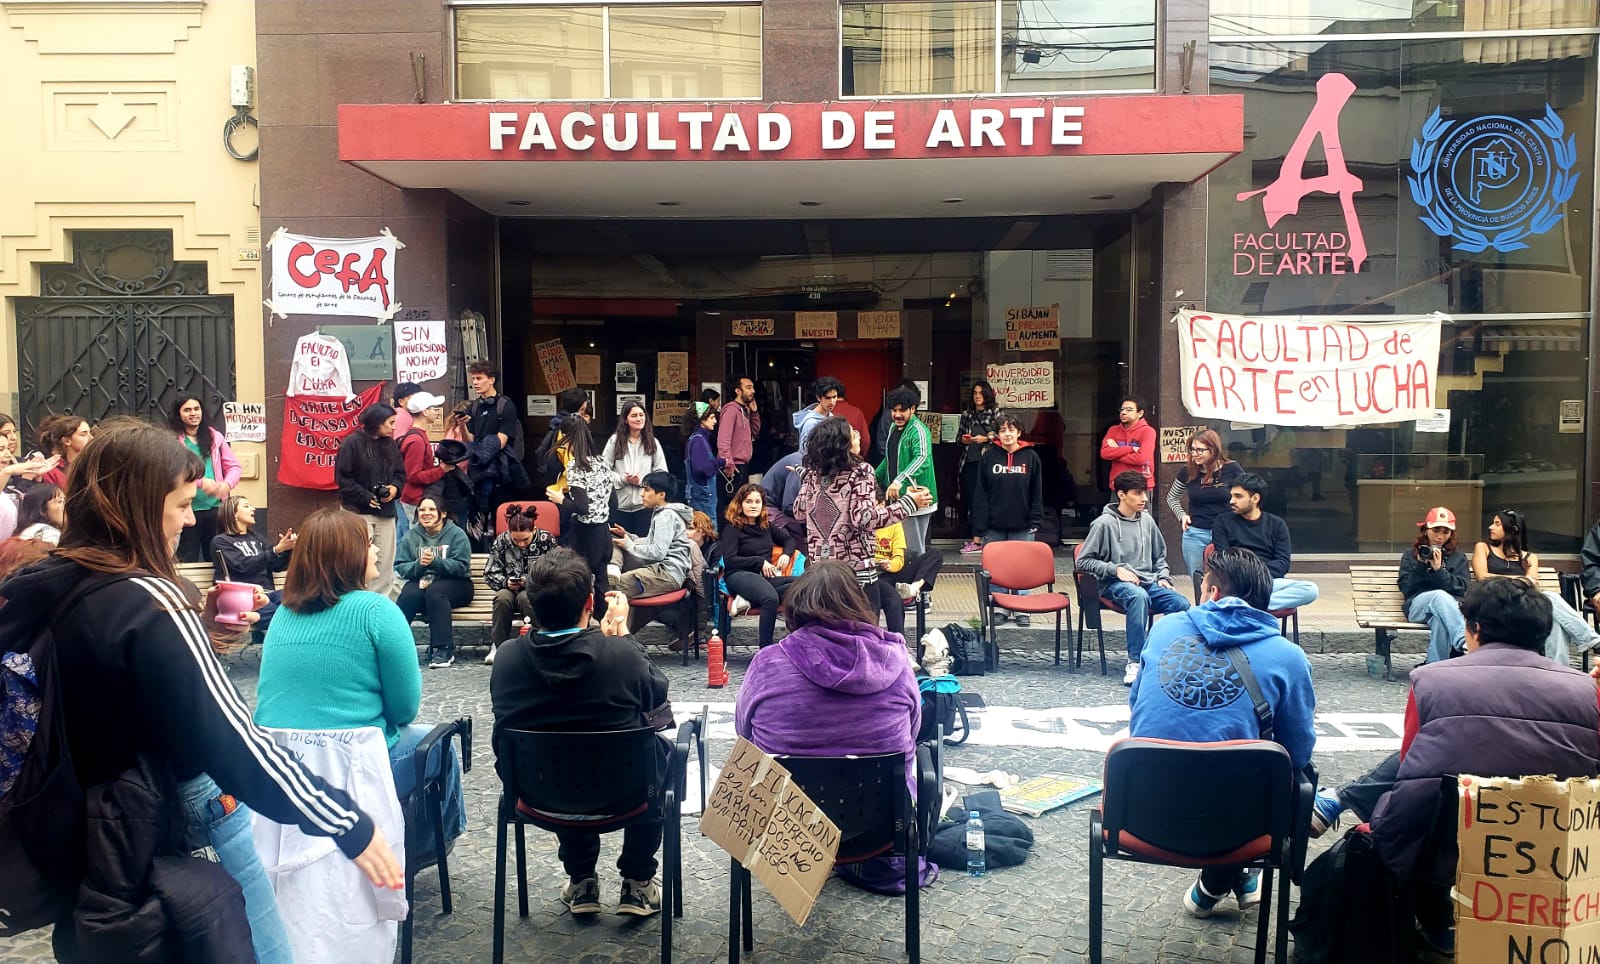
(1433, 578)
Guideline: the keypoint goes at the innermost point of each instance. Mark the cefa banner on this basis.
(1296, 371)
(333, 276)
(313, 427)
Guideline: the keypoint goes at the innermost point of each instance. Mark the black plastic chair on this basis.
(618, 775)
(1201, 805)
(424, 812)
(867, 799)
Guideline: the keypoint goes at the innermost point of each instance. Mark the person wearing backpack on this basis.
(416, 452)
(1210, 668)
(139, 688)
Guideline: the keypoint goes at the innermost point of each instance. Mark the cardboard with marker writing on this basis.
(1528, 873)
(767, 823)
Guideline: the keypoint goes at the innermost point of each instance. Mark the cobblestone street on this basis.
(1033, 913)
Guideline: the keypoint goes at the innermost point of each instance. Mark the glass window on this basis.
(919, 48)
(690, 51)
(1069, 45)
(1252, 18)
(657, 52)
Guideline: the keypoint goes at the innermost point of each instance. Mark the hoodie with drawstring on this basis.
(1009, 496)
(667, 542)
(1190, 691)
(1116, 540)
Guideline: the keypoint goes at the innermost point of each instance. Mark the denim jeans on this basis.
(405, 778)
(1291, 594)
(1138, 602)
(702, 498)
(1447, 630)
(1195, 540)
(230, 835)
(1008, 535)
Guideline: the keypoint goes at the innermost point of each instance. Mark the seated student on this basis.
(239, 555)
(570, 678)
(835, 664)
(753, 578)
(338, 657)
(1502, 709)
(1266, 535)
(659, 562)
(1433, 578)
(40, 513)
(435, 560)
(889, 556)
(1127, 554)
(1190, 666)
(506, 571)
(1008, 494)
(1506, 556)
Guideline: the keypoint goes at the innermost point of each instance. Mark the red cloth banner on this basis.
(313, 427)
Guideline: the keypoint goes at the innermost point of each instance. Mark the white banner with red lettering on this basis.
(333, 276)
(1290, 370)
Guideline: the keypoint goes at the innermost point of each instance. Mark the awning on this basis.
(853, 159)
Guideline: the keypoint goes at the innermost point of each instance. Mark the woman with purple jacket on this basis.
(700, 452)
(835, 664)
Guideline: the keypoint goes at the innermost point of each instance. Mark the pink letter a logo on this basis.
(1284, 195)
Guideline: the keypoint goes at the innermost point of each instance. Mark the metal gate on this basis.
(123, 330)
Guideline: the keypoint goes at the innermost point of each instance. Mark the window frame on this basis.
(604, 7)
(1155, 87)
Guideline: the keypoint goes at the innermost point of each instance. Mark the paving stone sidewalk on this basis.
(1033, 913)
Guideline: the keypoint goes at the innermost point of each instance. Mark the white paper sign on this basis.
(1438, 423)
(623, 401)
(541, 404)
(420, 351)
(1023, 385)
(333, 276)
(1291, 370)
(244, 421)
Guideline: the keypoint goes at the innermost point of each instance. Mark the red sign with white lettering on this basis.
(313, 428)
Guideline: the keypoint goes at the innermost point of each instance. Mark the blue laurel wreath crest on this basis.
(1563, 183)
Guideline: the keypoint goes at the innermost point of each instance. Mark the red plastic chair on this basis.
(688, 617)
(1283, 616)
(1020, 566)
(547, 516)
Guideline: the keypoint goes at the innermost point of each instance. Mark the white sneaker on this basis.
(908, 590)
(738, 606)
(489, 656)
(1131, 673)
(438, 663)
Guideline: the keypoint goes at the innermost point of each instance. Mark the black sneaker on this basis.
(640, 898)
(582, 896)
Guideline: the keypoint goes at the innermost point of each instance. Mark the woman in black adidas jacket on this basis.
(138, 676)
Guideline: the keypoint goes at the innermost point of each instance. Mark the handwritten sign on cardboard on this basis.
(1528, 873)
(819, 325)
(878, 324)
(1175, 441)
(670, 411)
(672, 372)
(1033, 329)
(754, 327)
(587, 369)
(770, 826)
(553, 362)
(1023, 384)
(244, 421)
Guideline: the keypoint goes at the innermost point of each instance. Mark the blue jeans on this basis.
(230, 836)
(1447, 630)
(405, 777)
(402, 520)
(1568, 631)
(702, 498)
(1195, 540)
(1139, 602)
(1008, 535)
(1291, 594)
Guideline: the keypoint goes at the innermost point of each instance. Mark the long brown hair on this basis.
(116, 497)
(1422, 540)
(619, 441)
(228, 516)
(54, 432)
(1211, 440)
(828, 593)
(735, 512)
(329, 560)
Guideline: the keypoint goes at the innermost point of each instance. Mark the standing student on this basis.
(1130, 444)
(495, 469)
(908, 465)
(827, 390)
(754, 578)
(369, 472)
(555, 452)
(1206, 479)
(188, 418)
(65, 437)
(977, 432)
(737, 427)
(435, 560)
(586, 502)
(701, 462)
(416, 451)
(1008, 498)
(632, 453)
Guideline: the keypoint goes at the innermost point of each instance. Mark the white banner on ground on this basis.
(1291, 370)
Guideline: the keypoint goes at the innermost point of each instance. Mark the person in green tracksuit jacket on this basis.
(908, 464)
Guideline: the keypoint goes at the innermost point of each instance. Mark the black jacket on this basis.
(145, 898)
(1267, 537)
(1416, 578)
(246, 558)
(1590, 554)
(745, 548)
(362, 463)
(138, 676)
(1009, 495)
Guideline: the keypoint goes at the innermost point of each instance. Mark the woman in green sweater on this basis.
(338, 657)
(435, 560)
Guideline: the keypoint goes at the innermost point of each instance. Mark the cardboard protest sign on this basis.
(672, 372)
(819, 325)
(587, 369)
(420, 351)
(771, 827)
(553, 362)
(1175, 441)
(670, 411)
(1300, 371)
(1033, 329)
(878, 324)
(312, 430)
(1528, 873)
(754, 327)
(333, 276)
(244, 421)
(1023, 385)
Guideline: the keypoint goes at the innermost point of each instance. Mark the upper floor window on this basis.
(997, 46)
(651, 51)
(1336, 19)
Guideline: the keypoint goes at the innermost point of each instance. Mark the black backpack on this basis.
(1350, 912)
(966, 649)
(942, 710)
(41, 803)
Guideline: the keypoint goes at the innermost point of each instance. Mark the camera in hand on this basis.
(379, 491)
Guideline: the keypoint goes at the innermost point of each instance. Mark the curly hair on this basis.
(827, 451)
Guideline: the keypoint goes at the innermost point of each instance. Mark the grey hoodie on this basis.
(1115, 540)
(668, 540)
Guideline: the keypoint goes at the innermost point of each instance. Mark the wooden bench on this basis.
(1380, 607)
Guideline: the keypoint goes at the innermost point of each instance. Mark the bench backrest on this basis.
(1375, 592)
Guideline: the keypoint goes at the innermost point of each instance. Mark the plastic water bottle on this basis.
(976, 864)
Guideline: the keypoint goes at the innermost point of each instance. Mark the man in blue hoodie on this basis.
(828, 390)
(1192, 692)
